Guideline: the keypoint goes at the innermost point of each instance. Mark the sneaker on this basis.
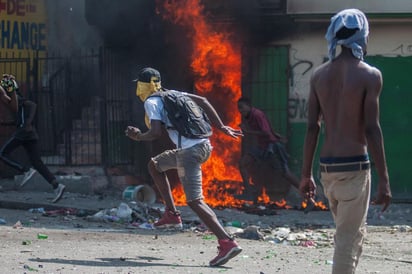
(27, 176)
(169, 219)
(59, 192)
(228, 249)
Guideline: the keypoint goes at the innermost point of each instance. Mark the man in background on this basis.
(25, 136)
(267, 149)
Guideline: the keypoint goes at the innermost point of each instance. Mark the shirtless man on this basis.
(344, 95)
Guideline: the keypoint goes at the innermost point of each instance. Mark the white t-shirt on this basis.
(155, 111)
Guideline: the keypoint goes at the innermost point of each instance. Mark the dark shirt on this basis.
(257, 121)
(23, 113)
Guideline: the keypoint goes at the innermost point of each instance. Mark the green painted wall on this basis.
(396, 120)
(267, 84)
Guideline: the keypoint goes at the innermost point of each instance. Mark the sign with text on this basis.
(23, 27)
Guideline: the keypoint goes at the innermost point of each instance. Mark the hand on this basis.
(384, 196)
(308, 188)
(133, 133)
(231, 132)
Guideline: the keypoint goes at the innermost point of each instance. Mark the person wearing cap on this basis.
(344, 96)
(187, 158)
(25, 136)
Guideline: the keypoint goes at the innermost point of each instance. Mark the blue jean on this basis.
(188, 163)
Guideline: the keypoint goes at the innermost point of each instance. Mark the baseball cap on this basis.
(145, 75)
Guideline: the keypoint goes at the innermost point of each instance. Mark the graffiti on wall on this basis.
(299, 83)
(403, 50)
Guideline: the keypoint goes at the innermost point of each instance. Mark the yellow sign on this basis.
(23, 28)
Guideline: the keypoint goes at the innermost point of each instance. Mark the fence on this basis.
(84, 103)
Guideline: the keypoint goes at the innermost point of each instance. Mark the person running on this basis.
(269, 149)
(187, 158)
(344, 95)
(26, 136)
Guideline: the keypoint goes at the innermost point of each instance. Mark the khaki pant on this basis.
(348, 194)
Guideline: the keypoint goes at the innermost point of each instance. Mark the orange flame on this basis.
(216, 63)
(264, 198)
(319, 205)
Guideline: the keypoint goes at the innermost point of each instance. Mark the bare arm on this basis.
(214, 116)
(307, 184)
(154, 132)
(374, 137)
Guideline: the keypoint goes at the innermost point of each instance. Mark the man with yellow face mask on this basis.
(187, 159)
(147, 83)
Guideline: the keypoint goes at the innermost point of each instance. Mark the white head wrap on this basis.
(351, 19)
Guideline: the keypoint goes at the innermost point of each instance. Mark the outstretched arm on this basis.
(214, 116)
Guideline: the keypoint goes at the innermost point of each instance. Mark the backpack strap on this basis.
(160, 94)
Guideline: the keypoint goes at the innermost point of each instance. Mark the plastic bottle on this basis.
(41, 236)
(2, 221)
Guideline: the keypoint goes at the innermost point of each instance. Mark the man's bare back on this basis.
(347, 91)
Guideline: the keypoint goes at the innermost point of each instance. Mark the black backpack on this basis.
(187, 117)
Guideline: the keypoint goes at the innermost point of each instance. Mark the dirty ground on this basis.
(284, 241)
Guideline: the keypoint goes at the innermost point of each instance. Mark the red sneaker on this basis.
(169, 219)
(227, 250)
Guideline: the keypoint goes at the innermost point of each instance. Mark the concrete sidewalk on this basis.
(23, 199)
(86, 191)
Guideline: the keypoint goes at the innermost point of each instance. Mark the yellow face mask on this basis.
(144, 90)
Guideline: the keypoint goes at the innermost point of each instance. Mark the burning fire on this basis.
(319, 205)
(264, 198)
(216, 63)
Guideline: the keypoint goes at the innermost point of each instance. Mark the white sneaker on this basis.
(59, 192)
(27, 176)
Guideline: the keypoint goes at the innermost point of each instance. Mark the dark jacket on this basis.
(25, 116)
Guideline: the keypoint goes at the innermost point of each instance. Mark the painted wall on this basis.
(309, 49)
